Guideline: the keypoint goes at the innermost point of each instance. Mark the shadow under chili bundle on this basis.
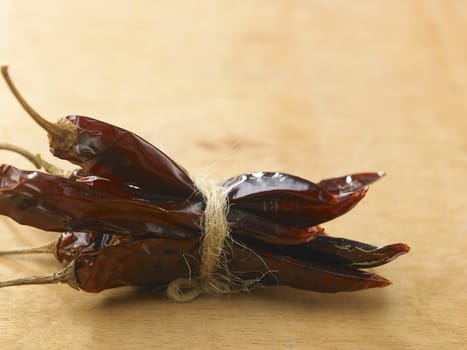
(129, 215)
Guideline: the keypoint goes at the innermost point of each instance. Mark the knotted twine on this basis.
(213, 276)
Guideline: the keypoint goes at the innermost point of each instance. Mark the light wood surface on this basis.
(312, 88)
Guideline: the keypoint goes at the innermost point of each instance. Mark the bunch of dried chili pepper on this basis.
(129, 215)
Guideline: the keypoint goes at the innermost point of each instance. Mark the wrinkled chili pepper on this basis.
(129, 215)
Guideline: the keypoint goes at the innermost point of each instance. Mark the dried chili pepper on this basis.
(131, 216)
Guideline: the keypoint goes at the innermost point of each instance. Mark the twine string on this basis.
(214, 276)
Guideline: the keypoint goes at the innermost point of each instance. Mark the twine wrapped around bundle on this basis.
(213, 276)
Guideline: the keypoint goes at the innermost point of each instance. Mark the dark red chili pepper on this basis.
(131, 216)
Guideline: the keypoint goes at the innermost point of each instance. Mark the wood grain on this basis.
(313, 88)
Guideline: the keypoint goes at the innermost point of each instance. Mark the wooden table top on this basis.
(312, 88)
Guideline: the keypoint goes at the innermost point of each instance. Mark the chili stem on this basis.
(61, 134)
(44, 249)
(45, 124)
(35, 159)
(67, 275)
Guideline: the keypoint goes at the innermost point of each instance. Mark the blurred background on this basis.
(313, 88)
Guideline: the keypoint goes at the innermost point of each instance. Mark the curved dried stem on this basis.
(48, 248)
(67, 275)
(35, 159)
(21, 151)
(48, 126)
(63, 134)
